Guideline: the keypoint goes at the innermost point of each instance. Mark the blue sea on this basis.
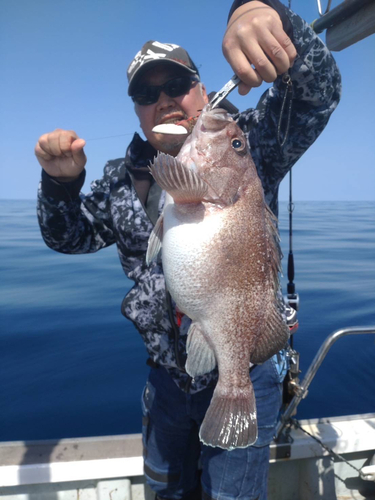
(72, 366)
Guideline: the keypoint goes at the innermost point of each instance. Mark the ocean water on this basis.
(72, 366)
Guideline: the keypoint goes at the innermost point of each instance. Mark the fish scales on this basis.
(221, 259)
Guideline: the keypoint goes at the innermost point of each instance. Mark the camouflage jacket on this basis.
(112, 213)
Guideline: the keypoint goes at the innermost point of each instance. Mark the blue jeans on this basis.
(172, 448)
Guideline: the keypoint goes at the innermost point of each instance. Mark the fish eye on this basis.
(238, 145)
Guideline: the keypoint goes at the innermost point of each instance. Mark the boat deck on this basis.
(111, 467)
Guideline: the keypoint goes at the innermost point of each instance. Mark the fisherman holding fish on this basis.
(216, 339)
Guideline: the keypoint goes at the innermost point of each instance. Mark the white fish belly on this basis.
(186, 252)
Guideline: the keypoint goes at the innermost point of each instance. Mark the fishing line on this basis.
(108, 137)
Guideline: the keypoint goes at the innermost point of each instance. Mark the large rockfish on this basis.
(221, 261)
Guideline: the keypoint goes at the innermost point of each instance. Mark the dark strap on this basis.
(162, 478)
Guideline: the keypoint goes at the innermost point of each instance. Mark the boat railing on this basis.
(301, 389)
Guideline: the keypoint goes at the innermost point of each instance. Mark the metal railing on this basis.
(302, 388)
(338, 14)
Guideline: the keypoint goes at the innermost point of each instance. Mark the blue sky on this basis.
(63, 65)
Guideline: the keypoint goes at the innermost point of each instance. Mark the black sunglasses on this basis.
(149, 94)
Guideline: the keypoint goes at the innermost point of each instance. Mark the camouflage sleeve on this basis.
(316, 92)
(70, 222)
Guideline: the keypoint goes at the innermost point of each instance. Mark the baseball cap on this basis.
(153, 53)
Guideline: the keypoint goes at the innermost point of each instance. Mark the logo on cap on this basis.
(141, 58)
(153, 51)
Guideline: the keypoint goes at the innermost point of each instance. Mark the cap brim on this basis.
(150, 64)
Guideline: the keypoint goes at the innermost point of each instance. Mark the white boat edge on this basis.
(96, 465)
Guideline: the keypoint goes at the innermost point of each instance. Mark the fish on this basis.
(221, 260)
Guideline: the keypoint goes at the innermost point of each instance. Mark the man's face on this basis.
(168, 109)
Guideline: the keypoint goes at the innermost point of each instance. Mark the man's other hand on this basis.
(256, 46)
(61, 154)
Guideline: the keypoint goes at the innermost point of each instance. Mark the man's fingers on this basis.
(40, 151)
(286, 44)
(78, 154)
(53, 143)
(61, 144)
(276, 54)
(256, 45)
(243, 89)
(56, 144)
(264, 61)
(66, 138)
(72, 146)
(60, 153)
(263, 66)
(243, 69)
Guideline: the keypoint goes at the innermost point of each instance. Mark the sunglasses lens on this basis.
(149, 94)
(177, 87)
(146, 95)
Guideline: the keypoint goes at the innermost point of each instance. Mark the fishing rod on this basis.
(330, 19)
(346, 24)
(353, 11)
(292, 297)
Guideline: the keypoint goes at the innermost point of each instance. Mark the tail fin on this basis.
(230, 420)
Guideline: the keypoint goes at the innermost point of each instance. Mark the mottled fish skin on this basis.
(221, 260)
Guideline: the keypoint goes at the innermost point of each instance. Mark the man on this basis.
(263, 41)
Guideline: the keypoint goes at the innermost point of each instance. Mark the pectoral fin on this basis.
(180, 182)
(155, 241)
(201, 358)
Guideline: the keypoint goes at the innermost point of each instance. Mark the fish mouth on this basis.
(215, 119)
(219, 113)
